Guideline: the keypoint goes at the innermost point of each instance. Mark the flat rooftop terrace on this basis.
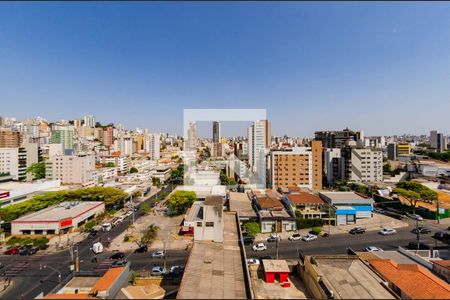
(57, 212)
(215, 270)
(349, 278)
(241, 203)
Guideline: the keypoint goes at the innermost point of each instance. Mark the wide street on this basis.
(338, 244)
(38, 273)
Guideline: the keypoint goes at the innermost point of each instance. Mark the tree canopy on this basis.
(252, 228)
(414, 192)
(180, 201)
(37, 169)
(134, 170)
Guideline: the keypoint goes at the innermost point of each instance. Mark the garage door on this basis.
(341, 219)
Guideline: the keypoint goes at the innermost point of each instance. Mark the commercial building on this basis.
(58, 218)
(367, 165)
(432, 168)
(202, 191)
(14, 192)
(342, 277)
(215, 270)
(10, 138)
(392, 151)
(300, 167)
(71, 169)
(441, 142)
(348, 206)
(403, 149)
(339, 139)
(433, 139)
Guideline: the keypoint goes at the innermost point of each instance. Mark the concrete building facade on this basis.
(367, 165)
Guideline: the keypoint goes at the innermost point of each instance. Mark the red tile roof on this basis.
(305, 198)
(105, 282)
(442, 263)
(269, 202)
(413, 280)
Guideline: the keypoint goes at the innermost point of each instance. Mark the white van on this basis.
(106, 226)
(97, 248)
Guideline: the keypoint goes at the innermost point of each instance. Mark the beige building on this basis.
(300, 167)
(367, 165)
(71, 169)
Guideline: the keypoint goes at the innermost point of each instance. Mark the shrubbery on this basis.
(308, 223)
(180, 201)
(252, 228)
(316, 230)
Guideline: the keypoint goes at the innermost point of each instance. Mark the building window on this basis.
(209, 224)
(199, 224)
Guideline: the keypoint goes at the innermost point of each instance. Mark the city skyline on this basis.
(313, 66)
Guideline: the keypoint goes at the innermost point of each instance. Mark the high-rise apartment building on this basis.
(13, 161)
(302, 166)
(441, 142)
(10, 138)
(216, 132)
(339, 139)
(332, 164)
(153, 145)
(367, 165)
(89, 121)
(71, 169)
(107, 136)
(63, 134)
(191, 143)
(258, 144)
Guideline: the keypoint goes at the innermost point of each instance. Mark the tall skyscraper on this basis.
(216, 132)
(89, 121)
(441, 142)
(258, 146)
(433, 139)
(191, 143)
(63, 134)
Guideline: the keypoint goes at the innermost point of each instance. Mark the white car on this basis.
(253, 261)
(373, 249)
(121, 218)
(175, 268)
(415, 216)
(158, 253)
(295, 237)
(387, 231)
(310, 237)
(259, 247)
(129, 213)
(158, 271)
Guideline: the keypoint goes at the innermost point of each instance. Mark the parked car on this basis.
(158, 254)
(12, 251)
(128, 213)
(357, 230)
(259, 247)
(248, 240)
(387, 231)
(372, 249)
(141, 249)
(414, 216)
(121, 218)
(295, 237)
(119, 263)
(118, 255)
(92, 234)
(413, 246)
(28, 250)
(310, 237)
(421, 230)
(274, 238)
(443, 236)
(176, 269)
(253, 261)
(378, 210)
(158, 271)
(116, 222)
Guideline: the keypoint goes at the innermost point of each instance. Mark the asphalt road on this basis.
(338, 244)
(38, 273)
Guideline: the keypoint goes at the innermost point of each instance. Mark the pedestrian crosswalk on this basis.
(16, 269)
(103, 265)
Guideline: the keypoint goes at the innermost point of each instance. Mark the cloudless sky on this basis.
(383, 67)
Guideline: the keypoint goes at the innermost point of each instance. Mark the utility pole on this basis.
(417, 233)
(437, 210)
(77, 261)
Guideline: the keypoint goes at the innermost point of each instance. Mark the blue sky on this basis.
(380, 67)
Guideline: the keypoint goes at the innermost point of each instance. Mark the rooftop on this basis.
(345, 197)
(274, 214)
(269, 202)
(214, 200)
(349, 278)
(241, 203)
(61, 211)
(202, 190)
(105, 282)
(215, 270)
(413, 280)
(442, 263)
(305, 198)
(275, 265)
(150, 291)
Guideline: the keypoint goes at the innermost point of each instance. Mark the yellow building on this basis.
(403, 149)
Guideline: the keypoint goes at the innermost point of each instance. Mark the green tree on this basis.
(89, 225)
(179, 201)
(134, 170)
(414, 192)
(109, 165)
(145, 208)
(156, 181)
(37, 169)
(252, 228)
(149, 234)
